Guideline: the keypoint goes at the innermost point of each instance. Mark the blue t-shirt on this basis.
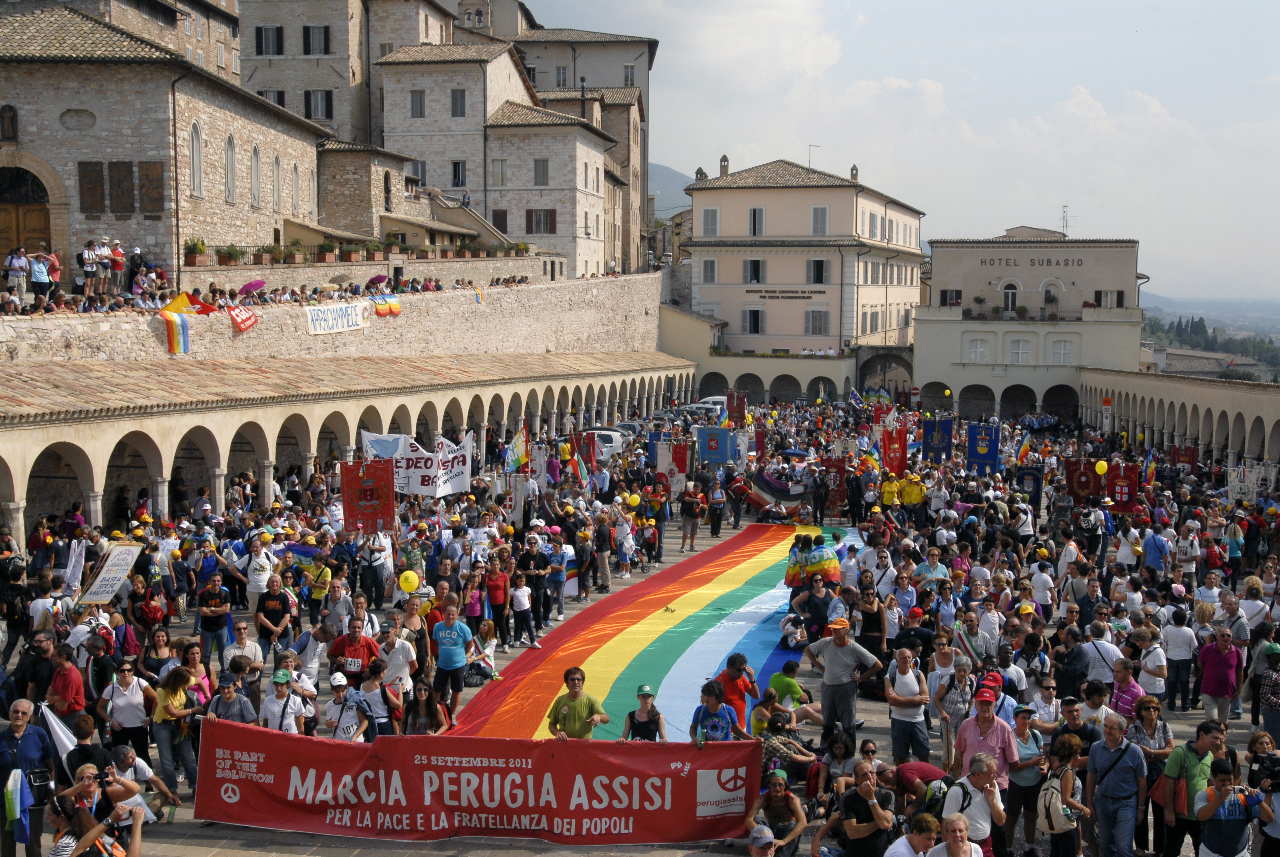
(563, 557)
(33, 750)
(717, 726)
(1227, 830)
(453, 644)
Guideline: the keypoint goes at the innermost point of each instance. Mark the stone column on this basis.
(308, 468)
(502, 430)
(535, 424)
(266, 483)
(348, 453)
(1232, 458)
(93, 508)
(218, 489)
(159, 498)
(955, 402)
(553, 420)
(17, 523)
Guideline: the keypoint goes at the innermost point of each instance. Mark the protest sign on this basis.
(242, 317)
(113, 571)
(337, 318)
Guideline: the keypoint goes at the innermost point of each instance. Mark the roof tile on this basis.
(428, 54)
(565, 34)
(60, 34)
(512, 114)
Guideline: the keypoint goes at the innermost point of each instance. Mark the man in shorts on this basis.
(452, 637)
(692, 502)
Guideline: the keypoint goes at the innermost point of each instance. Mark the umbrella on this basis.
(330, 287)
(252, 286)
(378, 280)
(340, 279)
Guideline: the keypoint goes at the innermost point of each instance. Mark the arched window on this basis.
(197, 161)
(255, 179)
(275, 184)
(479, 17)
(1010, 297)
(230, 167)
(296, 193)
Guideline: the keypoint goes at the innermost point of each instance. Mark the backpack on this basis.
(396, 714)
(893, 679)
(1053, 817)
(935, 796)
(129, 645)
(14, 603)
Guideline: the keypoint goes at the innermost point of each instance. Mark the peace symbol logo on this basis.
(230, 793)
(732, 779)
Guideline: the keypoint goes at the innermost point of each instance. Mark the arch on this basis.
(7, 492)
(1193, 423)
(1222, 432)
(1158, 421)
(452, 418)
(1237, 433)
(196, 154)
(249, 446)
(785, 389)
(977, 402)
(712, 384)
(333, 435)
(533, 411)
(821, 387)
(1273, 443)
(1016, 401)
(935, 396)
(60, 475)
(751, 384)
(611, 416)
(1180, 423)
(370, 420)
(229, 169)
(496, 412)
(1010, 294)
(1061, 400)
(293, 444)
(477, 414)
(882, 370)
(401, 420)
(196, 453)
(1207, 426)
(1257, 438)
(515, 412)
(55, 189)
(427, 426)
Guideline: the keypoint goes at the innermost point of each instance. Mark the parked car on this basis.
(715, 401)
(635, 429)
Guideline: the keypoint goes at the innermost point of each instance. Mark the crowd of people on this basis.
(1026, 651)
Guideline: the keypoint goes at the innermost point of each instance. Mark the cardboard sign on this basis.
(112, 572)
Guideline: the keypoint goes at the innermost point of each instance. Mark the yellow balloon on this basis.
(946, 393)
(409, 581)
(1101, 467)
(635, 501)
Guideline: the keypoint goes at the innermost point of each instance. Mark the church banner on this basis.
(713, 444)
(423, 788)
(937, 440)
(1030, 481)
(736, 406)
(1123, 487)
(893, 446)
(984, 448)
(1083, 480)
(368, 495)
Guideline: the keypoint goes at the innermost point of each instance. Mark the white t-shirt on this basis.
(398, 660)
(272, 708)
(902, 848)
(941, 850)
(1016, 674)
(127, 707)
(347, 717)
(520, 598)
(978, 813)
(1102, 657)
(1070, 553)
(1179, 642)
(980, 573)
(906, 685)
(258, 571)
(1046, 712)
(1095, 715)
(1153, 657)
(1124, 553)
(1043, 586)
(140, 773)
(1188, 551)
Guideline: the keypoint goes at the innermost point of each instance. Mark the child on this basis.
(1065, 750)
(521, 606)
(626, 547)
(649, 544)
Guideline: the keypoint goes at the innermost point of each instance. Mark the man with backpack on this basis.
(977, 798)
(907, 694)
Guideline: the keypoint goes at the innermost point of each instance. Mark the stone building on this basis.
(315, 57)
(1010, 321)
(118, 136)
(206, 32)
(621, 116)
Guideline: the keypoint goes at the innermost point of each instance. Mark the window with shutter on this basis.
(92, 189)
(760, 326)
(417, 104)
(1119, 300)
(306, 41)
(120, 179)
(763, 277)
(711, 223)
(551, 224)
(872, 218)
(306, 104)
(458, 103)
(808, 274)
(1097, 297)
(328, 104)
(528, 221)
(746, 270)
(499, 219)
(709, 271)
(808, 323)
(755, 222)
(326, 38)
(819, 220)
(746, 321)
(541, 172)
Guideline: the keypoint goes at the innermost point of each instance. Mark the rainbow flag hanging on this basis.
(518, 452)
(1149, 468)
(479, 294)
(724, 418)
(872, 457)
(175, 324)
(1025, 449)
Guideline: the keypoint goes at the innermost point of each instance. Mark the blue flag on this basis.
(984, 448)
(937, 440)
(713, 444)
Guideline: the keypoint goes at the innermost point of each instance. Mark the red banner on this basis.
(736, 406)
(680, 456)
(368, 494)
(1083, 480)
(879, 412)
(893, 448)
(242, 317)
(762, 445)
(1123, 487)
(835, 466)
(429, 787)
(1185, 457)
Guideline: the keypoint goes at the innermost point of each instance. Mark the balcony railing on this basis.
(1050, 314)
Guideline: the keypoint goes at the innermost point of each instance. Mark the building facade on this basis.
(1010, 321)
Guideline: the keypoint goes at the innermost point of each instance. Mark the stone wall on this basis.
(479, 271)
(600, 315)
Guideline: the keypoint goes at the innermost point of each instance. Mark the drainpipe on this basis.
(484, 133)
(177, 207)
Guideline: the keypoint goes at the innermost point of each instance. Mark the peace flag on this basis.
(179, 337)
(518, 451)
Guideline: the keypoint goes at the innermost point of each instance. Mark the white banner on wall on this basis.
(337, 318)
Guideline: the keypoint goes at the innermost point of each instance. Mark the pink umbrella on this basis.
(252, 286)
(377, 280)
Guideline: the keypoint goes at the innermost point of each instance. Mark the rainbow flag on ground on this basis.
(518, 451)
(670, 631)
(175, 325)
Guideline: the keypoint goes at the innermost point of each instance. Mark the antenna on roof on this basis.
(1066, 219)
(812, 146)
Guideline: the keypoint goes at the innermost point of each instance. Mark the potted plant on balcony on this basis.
(522, 249)
(327, 251)
(262, 255)
(966, 313)
(446, 253)
(229, 255)
(295, 254)
(351, 253)
(195, 252)
(1021, 311)
(464, 251)
(426, 253)
(508, 249)
(374, 251)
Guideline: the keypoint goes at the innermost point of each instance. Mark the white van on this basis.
(715, 401)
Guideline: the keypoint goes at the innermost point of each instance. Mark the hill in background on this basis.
(668, 187)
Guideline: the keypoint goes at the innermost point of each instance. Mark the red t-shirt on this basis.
(434, 617)
(909, 773)
(353, 659)
(69, 687)
(497, 586)
(117, 260)
(735, 695)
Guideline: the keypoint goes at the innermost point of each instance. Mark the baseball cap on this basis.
(226, 679)
(915, 613)
(1027, 608)
(1022, 708)
(778, 774)
(761, 836)
(645, 690)
(281, 677)
(1271, 649)
(337, 680)
(993, 680)
(985, 695)
(1179, 591)
(838, 623)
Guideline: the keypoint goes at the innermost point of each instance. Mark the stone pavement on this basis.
(188, 838)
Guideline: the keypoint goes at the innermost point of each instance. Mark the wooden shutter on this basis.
(763, 278)
(808, 279)
(761, 316)
(528, 221)
(500, 219)
(746, 321)
(257, 35)
(1119, 300)
(280, 41)
(120, 183)
(92, 195)
(326, 38)
(151, 186)
(306, 104)
(306, 40)
(808, 320)
(1097, 297)
(746, 270)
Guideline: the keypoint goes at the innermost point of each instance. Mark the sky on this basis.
(1155, 121)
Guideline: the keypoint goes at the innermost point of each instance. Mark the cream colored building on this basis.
(1011, 320)
(801, 261)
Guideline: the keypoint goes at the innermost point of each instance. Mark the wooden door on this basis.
(23, 225)
(8, 228)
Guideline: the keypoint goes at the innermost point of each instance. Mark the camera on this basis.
(104, 779)
(1265, 767)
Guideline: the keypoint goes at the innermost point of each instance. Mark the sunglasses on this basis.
(1048, 687)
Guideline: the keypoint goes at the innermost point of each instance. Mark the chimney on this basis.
(853, 172)
(724, 166)
(700, 175)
